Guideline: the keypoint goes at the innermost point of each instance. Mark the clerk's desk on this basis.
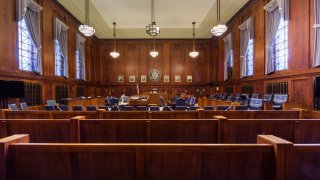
(154, 98)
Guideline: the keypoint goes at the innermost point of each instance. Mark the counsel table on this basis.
(85, 102)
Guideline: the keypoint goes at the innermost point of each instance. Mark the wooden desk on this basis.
(85, 102)
(142, 101)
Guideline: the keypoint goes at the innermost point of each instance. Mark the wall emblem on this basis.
(154, 75)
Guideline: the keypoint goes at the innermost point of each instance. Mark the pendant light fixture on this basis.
(220, 28)
(153, 29)
(114, 54)
(85, 28)
(193, 54)
(154, 53)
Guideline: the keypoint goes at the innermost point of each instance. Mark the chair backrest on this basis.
(181, 102)
(24, 106)
(49, 108)
(223, 108)
(154, 108)
(64, 108)
(255, 96)
(193, 108)
(142, 108)
(193, 101)
(279, 99)
(180, 108)
(208, 108)
(128, 108)
(51, 102)
(91, 108)
(113, 101)
(162, 101)
(12, 107)
(241, 108)
(267, 98)
(77, 108)
(256, 104)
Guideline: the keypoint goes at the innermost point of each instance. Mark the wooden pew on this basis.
(26, 114)
(174, 115)
(305, 162)
(145, 161)
(124, 114)
(42, 131)
(246, 130)
(113, 131)
(295, 114)
(307, 131)
(148, 131)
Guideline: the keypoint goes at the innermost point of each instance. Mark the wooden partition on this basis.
(42, 131)
(292, 114)
(85, 102)
(145, 161)
(307, 131)
(41, 114)
(174, 115)
(125, 114)
(149, 131)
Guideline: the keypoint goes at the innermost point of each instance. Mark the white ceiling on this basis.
(174, 17)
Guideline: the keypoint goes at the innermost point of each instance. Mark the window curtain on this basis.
(276, 9)
(316, 57)
(30, 10)
(80, 42)
(61, 35)
(246, 33)
(228, 47)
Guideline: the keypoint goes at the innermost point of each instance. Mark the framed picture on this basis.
(132, 78)
(177, 78)
(166, 78)
(143, 78)
(120, 78)
(189, 78)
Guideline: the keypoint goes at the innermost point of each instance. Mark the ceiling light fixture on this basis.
(85, 28)
(154, 53)
(153, 29)
(193, 54)
(114, 54)
(219, 29)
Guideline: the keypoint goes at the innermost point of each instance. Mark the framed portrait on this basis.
(177, 78)
(189, 78)
(132, 78)
(166, 78)
(120, 78)
(143, 78)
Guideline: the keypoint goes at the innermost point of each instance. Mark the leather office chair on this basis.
(267, 98)
(64, 108)
(24, 106)
(13, 107)
(255, 96)
(49, 108)
(256, 104)
(208, 108)
(181, 102)
(279, 100)
(91, 108)
(154, 108)
(223, 108)
(128, 108)
(77, 108)
(193, 108)
(142, 108)
(241, 108)
(181, 108)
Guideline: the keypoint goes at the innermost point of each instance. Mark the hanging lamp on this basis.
(154, 53)
(152, 29)
(219, 29)
(114, 54)
(85, 28)
(193, 54)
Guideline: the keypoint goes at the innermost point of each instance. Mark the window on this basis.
(249, 58)
(59, 59)
(79, 66)
(279, 47)
(27, 49)
(230, 65)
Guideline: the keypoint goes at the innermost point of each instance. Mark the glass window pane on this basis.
(280, 47)
(59, 59)
(249, 58)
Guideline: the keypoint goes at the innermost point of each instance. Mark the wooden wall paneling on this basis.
(166, 62)
(177, 62)
(132, 62)
(155, 63)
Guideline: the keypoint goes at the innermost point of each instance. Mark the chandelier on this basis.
(219, 29)
(85, 28)
(152, 29)
(114, 54)
(193, 54)
(154, 53)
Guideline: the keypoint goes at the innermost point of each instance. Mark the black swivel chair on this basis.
(91, 108)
